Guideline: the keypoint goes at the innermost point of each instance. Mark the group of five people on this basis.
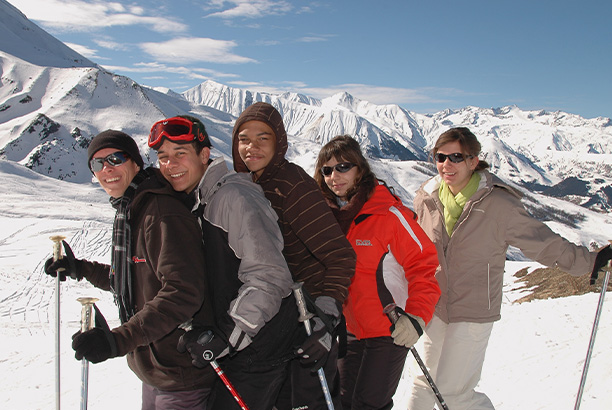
(204, 263)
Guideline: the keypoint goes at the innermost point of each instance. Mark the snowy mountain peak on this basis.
(342, 99)
(23, 39)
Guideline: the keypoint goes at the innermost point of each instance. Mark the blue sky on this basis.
(425, 56)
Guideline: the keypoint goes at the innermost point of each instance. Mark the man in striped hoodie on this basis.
(317, 252)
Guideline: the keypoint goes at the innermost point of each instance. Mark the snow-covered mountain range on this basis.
(53, 101)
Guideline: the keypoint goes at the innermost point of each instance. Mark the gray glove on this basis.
(404, 334)
(407, 329)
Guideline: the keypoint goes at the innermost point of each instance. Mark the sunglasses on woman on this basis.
(176, 129)
(455, 158)
(115, 159)
(341, 168)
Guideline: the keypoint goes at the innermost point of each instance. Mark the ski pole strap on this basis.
(100, 321)
(401, 312)
(342, 338)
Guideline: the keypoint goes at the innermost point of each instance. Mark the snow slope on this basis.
(534, 360)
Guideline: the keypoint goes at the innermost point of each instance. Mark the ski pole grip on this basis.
(87, 322)
(57, 248)
(301, 302)
(391, 313)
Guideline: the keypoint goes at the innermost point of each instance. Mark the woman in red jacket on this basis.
(396, 264)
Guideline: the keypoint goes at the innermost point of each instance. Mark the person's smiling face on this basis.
(181, 165)
(456, 174)
(340, 183)
(115, 179)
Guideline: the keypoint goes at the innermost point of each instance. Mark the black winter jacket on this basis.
(171, 288)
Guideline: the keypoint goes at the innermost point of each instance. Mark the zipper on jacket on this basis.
(489, 284)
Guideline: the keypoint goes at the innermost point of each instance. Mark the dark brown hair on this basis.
(468, 141)
(199, 126)
(345, 148)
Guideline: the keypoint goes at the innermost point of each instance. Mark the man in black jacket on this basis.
(157, 276)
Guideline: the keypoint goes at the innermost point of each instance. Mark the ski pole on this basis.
(86, 324)
(305, 316)
(228, 384)
(393, 316)
(209, 356)
(593, 334)
(57, 254)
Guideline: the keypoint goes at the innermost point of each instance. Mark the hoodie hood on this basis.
(265, 113)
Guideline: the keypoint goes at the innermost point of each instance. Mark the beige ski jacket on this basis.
(472, 259)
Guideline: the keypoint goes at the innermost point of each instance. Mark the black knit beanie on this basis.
(118, 140)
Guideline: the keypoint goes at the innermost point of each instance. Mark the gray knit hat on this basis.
(118, 140)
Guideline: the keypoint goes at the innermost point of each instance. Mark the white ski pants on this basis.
(454, 354)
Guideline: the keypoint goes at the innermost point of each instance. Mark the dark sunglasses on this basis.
(341, 168)
(115, 159)
(176, 129)
(455, 157)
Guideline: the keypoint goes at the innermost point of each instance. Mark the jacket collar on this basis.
(487, 182)
(380, 201)
(208, 184)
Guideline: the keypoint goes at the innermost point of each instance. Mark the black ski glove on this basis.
(203, 346)
(97, 344)
(70, 265)
(603, 256)
(315, 349)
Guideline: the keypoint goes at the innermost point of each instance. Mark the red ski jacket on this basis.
(396, 263)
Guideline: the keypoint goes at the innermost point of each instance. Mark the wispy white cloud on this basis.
(370, 93)
(267, 43)
(312, 39)
(159, 68)
(249, 8)
(83, 50)
(386, 95)
(191, 50)
(80, 15)
(111, 45)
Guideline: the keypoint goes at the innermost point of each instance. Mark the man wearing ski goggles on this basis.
(244, 245)
(176, 129)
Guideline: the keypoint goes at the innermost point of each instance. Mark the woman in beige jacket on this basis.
(472, 217)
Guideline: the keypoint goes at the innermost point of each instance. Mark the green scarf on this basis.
(453, 205)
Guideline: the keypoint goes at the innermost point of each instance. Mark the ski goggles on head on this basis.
(455, 157)
(341, 168)
(176, 129)
(115, 159)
